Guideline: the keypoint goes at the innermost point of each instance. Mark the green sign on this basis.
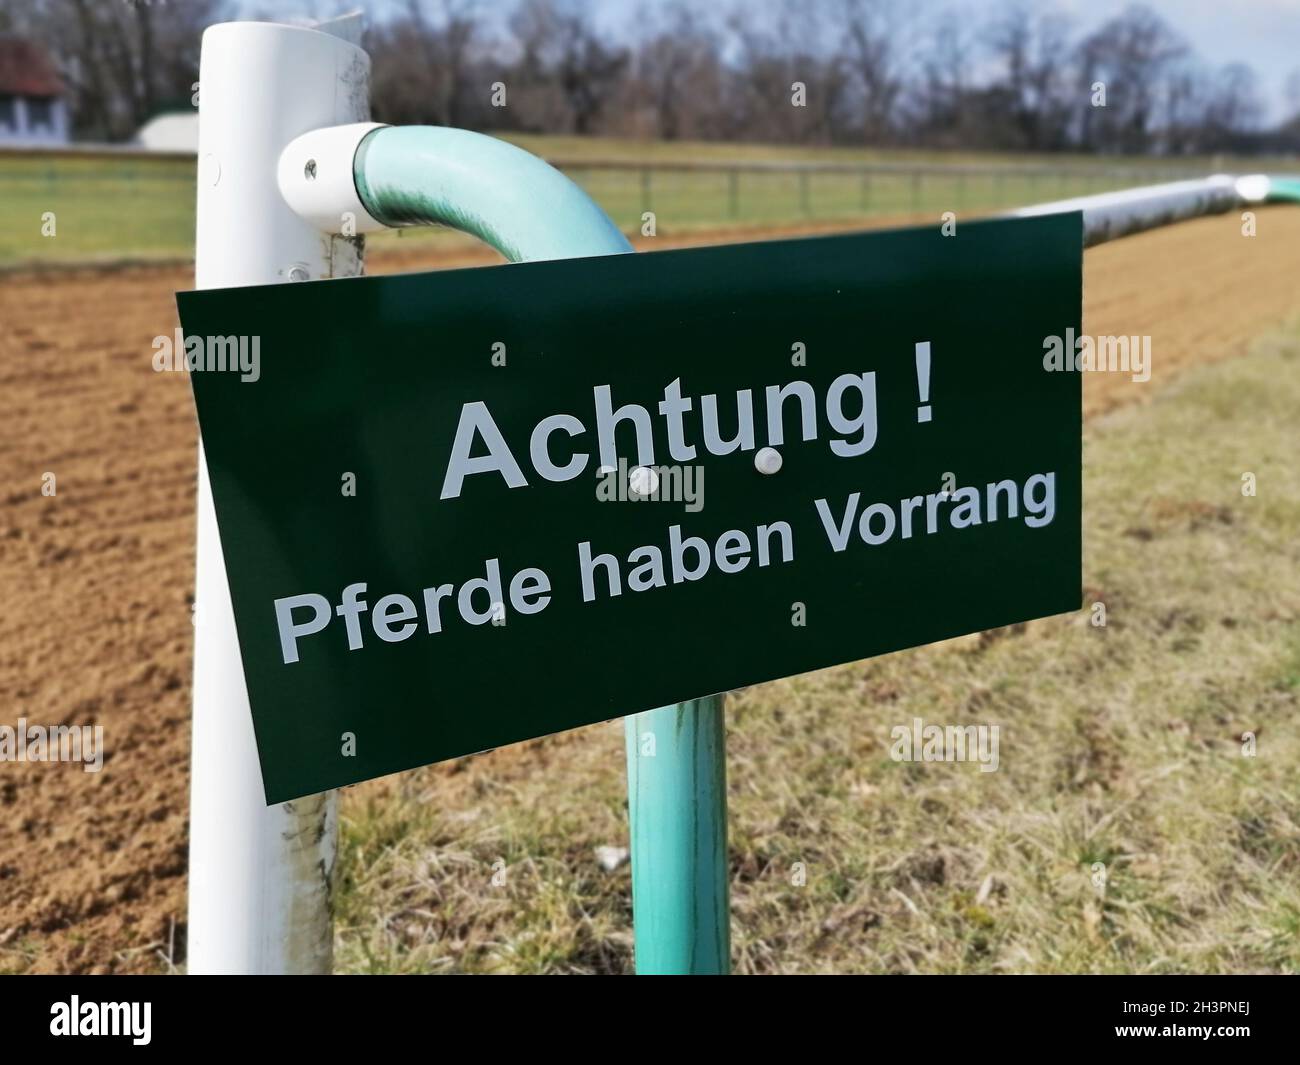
(463, 509)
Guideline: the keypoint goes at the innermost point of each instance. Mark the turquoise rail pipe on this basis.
(677, 806)
(505, 196)
(1284, 189)
(676, 764)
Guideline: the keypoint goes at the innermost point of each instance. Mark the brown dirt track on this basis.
(97, 580)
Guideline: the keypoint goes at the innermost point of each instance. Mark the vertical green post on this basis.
(677, 806)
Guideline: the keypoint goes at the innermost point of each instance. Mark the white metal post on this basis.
(1110, 215)
(260, 878)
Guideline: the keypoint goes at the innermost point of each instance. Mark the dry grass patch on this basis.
(1120, 745)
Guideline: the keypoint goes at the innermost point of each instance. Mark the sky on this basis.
(1263, 33)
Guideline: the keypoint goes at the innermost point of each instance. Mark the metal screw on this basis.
(767, 460)
(643, 481)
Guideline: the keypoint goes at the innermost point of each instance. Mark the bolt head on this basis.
(767, 460)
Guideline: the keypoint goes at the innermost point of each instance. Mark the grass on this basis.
(114, 208)
(1120, 745)
(104, 209)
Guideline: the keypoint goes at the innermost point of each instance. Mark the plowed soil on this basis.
(97, 579)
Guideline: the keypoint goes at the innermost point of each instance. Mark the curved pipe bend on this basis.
(505, 196)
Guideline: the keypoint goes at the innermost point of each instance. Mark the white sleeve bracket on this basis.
(316, 180)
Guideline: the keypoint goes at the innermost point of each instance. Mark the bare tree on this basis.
(787, 71)
(1131, 55)
(789, 84)
(1031, 46)
(1234, 110)
(677, 76)
(423, 62)
(1185, 106)
(943, 102)
(563, 53)
(1293, 90)
(870, 32)
(122, 62)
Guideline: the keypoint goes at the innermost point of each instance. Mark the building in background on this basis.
(32, 105)
(171, 132)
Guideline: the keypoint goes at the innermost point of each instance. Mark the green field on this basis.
(104, 208)
(133, 208)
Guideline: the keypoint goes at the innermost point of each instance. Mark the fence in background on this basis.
(129, 205)
(706, 193)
